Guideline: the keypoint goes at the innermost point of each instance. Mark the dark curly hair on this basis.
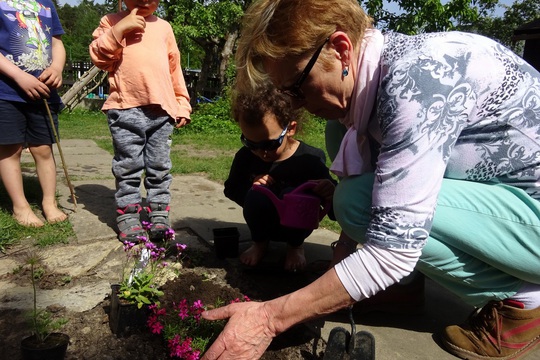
(251, 107)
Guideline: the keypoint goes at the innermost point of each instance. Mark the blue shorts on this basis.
(27, 123)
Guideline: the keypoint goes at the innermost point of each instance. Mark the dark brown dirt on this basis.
(92, 338)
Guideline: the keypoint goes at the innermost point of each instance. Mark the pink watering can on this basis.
(298, 209)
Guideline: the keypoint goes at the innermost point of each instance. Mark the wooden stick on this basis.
(61, 154)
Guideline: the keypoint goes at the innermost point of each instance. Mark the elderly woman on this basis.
(445, 120)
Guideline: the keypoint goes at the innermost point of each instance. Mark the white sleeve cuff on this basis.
(372, 269)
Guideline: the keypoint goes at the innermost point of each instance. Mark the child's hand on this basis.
(325, 189)
(132, 22)
(32, 86)
(263, 180)
(181, 121)
(51, 77)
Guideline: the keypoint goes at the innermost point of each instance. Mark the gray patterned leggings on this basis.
(141, 140)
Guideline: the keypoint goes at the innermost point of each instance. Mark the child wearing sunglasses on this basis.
(272, 157)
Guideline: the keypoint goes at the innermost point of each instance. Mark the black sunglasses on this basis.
(266, 145)
(294, 90)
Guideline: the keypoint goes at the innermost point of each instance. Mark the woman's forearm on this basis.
(323, 296)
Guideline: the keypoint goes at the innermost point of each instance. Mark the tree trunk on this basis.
(206, 69)
(226, 56)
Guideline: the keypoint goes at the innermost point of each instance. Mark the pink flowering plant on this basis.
(186, 333)
(145, 262)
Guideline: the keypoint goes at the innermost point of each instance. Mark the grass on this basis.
(206, 146)
(12, 233)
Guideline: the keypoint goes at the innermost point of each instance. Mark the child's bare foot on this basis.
(27, 218)
(253, 255)
(53, 214)
(295, 258)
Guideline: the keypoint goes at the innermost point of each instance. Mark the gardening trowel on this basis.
(343, 345)
(140, 265)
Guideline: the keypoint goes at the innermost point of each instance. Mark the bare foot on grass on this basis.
(27, 218)
(253, 255)
(53, 214)
(295, 258)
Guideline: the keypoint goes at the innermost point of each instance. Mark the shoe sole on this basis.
(468, 355)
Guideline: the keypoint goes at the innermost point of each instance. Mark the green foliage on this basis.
(213, 118)
(79, 23)
(41, 321)
(419, 16)
(502, 28)
(141, 291)
(44, 324)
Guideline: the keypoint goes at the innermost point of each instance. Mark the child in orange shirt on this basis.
(148, 98)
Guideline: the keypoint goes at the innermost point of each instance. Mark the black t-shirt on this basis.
(307, 163)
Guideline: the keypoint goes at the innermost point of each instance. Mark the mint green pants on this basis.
(485, 239)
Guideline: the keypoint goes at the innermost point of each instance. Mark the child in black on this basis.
(273, 158)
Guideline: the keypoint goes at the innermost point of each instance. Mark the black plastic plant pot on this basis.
(125, 318)
(226, 242)
(53, 348)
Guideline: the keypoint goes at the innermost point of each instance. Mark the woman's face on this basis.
(146, 7)
(256, 137)
(326, 93)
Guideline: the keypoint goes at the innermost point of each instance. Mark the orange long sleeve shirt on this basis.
(141, 72)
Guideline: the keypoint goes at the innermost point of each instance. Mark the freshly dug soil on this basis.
(91, 336)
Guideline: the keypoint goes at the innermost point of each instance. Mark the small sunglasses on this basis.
(266, 145)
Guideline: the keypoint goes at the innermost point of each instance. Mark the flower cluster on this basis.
(188, 335)
(145, 262)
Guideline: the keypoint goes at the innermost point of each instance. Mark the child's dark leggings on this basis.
(263, 221)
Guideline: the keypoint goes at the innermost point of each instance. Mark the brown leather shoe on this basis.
(500, 330)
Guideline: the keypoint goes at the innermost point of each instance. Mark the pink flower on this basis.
(156, 327)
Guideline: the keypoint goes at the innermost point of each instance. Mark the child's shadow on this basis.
(98, 200)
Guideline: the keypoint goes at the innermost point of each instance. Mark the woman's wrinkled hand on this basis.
(246, 336)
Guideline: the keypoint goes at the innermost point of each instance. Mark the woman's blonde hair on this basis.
(274, 29)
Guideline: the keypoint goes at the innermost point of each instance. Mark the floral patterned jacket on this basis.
(449, 105)
(453, 105)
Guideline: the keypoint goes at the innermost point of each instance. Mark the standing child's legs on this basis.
(10, 171)
(157, 181)
(40, 138)
(29, 123)
(128, 130)
(46, 171)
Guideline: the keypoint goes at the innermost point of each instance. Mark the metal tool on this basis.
(61, 155)
(144, 259)
(343, 345)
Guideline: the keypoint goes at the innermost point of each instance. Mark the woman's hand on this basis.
(247, 334)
